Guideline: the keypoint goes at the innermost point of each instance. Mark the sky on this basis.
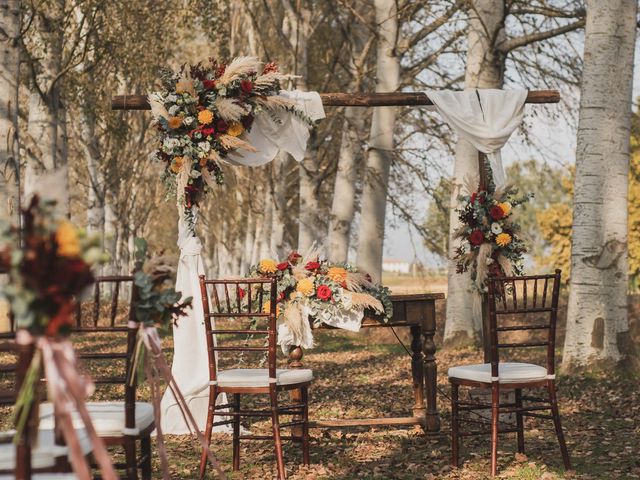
(555, 142)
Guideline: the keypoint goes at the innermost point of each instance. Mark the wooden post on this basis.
(483, 184)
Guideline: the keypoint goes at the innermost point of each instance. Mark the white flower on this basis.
(489, 260)
(170, 143)
(173, 109)
(222, 90)
(204, 146)
(496, 228)
(188, 120)
(172, 98)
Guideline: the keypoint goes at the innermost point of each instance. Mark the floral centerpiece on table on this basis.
(310, 288)
(490, 238)
(204, 113)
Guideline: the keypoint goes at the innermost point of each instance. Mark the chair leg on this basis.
(551, 388)
(130, 458)
(519, 420)
(305, 426)
(273, 394)
(495, 416)
(236, 432)
(207, 430)
(145, 448)
(455, 422)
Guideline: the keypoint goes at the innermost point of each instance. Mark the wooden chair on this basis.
(22, 460)
(533, 298)
(235, 301)
(110, 342)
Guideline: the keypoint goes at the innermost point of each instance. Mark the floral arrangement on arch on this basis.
(309, 287)
(203, 115)
(490, 238)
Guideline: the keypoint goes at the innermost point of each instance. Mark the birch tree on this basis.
(9, 81)
(597, 324)
(381, 143)
(488, 47)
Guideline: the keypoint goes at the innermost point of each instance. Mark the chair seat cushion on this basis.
(259, 377)
(508, 372)
(107, 417)
(45, 452)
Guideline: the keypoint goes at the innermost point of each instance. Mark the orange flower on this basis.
(205, 117)
(337, 274)
(176, 166)
(266, 308)
(175, 122)
(503, 239)
(67, 240)
(235, 129)
(185, 86)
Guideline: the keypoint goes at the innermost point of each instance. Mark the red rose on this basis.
(482, 197)
(208, 84)
(282, 266)
(208, 131)
(323, 292)
(312, 265)
(222, 126)
(246, 86)
(241, 292)
(280, 297)
(476, 237)
(496, 212)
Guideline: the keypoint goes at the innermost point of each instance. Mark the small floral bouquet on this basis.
(320, 291)
(203, 115)
(490, 238)
(49, 271)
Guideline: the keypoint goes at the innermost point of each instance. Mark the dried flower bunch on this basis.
(490, 238)
(204, 113)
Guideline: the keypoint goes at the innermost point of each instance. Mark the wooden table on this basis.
(418, 313)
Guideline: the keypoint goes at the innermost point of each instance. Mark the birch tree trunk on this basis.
(46, 120)
(376, 180)
(597, 323)
(344, 192)
(9, 161)
(484, 69)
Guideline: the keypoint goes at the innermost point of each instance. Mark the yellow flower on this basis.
(235, 129)
(176, 166)
(205, 117)
(67, 240)
(185, 86)
(305, 287)
(503, 239)
(337, 274)
(266, 308)
(505, 207)
(267, 266)
(175, 122)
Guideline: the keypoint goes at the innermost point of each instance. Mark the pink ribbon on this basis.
(160, 370)
(68, 390)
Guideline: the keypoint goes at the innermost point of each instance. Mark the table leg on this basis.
(431, 370)
(295, 361)
(417, 374)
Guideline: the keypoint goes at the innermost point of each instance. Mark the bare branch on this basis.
(513, 43)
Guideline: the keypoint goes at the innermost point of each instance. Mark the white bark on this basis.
(376, 180)
(280, 168)
(484, 69)
(344, 192)
(597, 324)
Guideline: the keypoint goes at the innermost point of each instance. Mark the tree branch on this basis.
(513, 43)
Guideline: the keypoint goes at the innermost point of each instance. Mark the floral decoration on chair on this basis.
(490, 237)
(203, 114)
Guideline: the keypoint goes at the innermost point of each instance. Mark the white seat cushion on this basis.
(508, 372)
(45, 476)
(259, 377)
(107, 417)
(45, 452)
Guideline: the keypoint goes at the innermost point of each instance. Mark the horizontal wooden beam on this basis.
(139, 102)
(365, 422)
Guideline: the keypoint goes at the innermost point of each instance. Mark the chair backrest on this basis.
(15, 361)
(103, 337)
(531, 303)
(248, 303)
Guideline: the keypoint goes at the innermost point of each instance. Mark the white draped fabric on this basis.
(190, 359)
(485, 118)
